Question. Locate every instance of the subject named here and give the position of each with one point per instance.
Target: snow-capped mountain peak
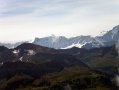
(106, 38)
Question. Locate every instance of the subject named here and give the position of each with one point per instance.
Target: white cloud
(25, 19)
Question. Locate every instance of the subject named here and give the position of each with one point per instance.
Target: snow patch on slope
(74, 45)
(16, 51)
(31, 52)
(1, 63)
(32, 40)
(20, 58)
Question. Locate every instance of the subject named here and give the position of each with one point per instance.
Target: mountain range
(60, 63)
(107, 38)
(42, 68)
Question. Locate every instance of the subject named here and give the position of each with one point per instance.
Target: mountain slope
(103, 59)
(42, 59)
(41, 68)
(27, 52)
(32, 66)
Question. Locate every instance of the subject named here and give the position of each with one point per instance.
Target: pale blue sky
(26, 19)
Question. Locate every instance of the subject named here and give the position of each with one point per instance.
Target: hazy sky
(26, 19)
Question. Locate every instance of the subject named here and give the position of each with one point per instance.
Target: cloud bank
(30, 18)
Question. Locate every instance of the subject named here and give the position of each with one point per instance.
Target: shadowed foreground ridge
(30, 66)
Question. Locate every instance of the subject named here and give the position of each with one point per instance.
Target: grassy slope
(77, 78)
(6, 83)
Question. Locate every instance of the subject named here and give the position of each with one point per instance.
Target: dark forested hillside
(33, 67)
